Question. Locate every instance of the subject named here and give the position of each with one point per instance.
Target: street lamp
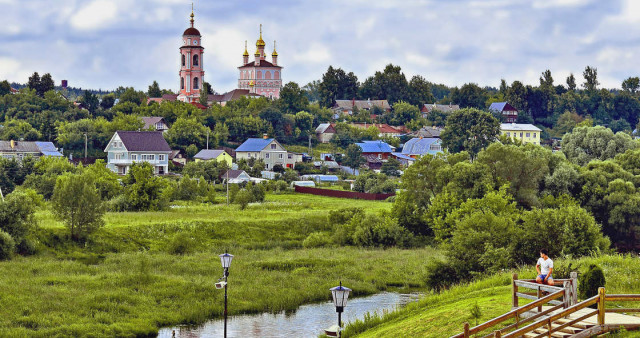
(340, 295)
(225, 259)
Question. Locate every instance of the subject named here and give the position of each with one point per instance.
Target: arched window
(182, 81)
(195, 60)
(277, 75)
(267, 75)
(258, 75)
(195, 83)
(183, 61)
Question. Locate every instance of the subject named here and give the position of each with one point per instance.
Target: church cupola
(258, 57)
(274, 55)
(260, 45)
(191, 63)
(245, 56)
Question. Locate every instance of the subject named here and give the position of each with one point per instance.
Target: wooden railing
(550, 323)
(569, 285)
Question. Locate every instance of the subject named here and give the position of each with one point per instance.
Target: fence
(343, 194)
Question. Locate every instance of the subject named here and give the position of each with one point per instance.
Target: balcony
(129, 162)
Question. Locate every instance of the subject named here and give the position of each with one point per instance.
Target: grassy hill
(444, 314)
(146, 270)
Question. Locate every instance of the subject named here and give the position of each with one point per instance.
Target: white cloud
(96, 15)
(542, 4)
(12, 70)
(316, 53)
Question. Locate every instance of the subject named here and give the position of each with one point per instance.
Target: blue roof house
(417, 147)
(269, 150)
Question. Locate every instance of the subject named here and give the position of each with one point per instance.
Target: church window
(276, 75)
(195, 83)
(267, 75)
(259, 74)
(183, 60)
(195, 60)
(182, 82)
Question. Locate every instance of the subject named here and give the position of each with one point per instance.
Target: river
(307, 321)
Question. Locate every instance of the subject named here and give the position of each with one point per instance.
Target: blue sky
(107, 43)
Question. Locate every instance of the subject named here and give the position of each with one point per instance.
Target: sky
(103, 44)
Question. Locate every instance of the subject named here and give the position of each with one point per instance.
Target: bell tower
(191, 64)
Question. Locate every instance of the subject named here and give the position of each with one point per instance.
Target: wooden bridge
(556, 312)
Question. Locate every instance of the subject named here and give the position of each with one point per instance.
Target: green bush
(117, 204)
(440, 275)
(243, 198)
(317, 240)
(382, 231)
(181, 244)
(591, 281)
(7, 246)
(342, 216)
(26, 247)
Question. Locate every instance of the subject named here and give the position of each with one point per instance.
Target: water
(307, 321)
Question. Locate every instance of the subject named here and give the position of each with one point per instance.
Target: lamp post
(340, 295)
(225, 259)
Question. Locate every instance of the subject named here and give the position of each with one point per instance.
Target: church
(257, 77)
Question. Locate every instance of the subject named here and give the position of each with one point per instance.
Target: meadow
(147, 270)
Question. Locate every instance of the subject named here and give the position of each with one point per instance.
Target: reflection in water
(307, 321)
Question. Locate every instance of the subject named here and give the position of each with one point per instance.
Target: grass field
(444, 314)
(125, 282)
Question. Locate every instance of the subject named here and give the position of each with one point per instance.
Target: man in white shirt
(544, 268)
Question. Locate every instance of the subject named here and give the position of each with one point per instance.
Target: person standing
(544, 268)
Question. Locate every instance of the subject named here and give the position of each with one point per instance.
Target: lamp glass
(340, 295)
(225, 259)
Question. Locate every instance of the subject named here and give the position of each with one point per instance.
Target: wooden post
(574, 285)
(497, 334)
(601, 294)
(466, 330)
(566, 298)
(539, 296)
(514, 289)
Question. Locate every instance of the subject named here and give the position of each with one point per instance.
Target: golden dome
(246, 52)
(258, 52)
(274, 49)
(260, 42)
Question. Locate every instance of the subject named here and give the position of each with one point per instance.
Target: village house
(270, 151)
(420, 146)
(214, 154)
(375, 152)
(509, 113)
(21, 149)
(235, 176)
(427, 132)
(346, 107)
(384, 130)
(445, 108)
(128, 147)
(325, 132)
(526, 133)
(155, 122)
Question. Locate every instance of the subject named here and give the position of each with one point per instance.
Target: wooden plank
(622, 297)
(589, 332)
(621, 310)
(528, 319)
(535, 286)
(575, 321)
(527, 296)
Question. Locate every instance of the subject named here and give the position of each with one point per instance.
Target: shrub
(7, 246)
(181, 244)
(243, 198)
(379, 231)
(26, 247)
(591, 281)
(316, 240)
(440, 275)
(17, 214)
(342, 216)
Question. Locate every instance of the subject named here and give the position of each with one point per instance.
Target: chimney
(13, 144)
(265, 136)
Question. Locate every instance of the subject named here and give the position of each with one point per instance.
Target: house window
(196, 83)
(508, 134)
(273, 146)
(183, 60)
(380, 156)
(266, 155)
(520, 134)
(266, 165)
(134, 157)
(528, 134)
(182, 81)
(118, 156)
(534, 135)
(290, 156)
(161, 157)
(280, 156)
(195, 60)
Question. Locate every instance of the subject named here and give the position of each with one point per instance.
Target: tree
(5, 88)
(154, 90)
(546, 80)
(77, 203)
(517, 96)
(143, 190)
(470, 95)
(390, 84)
(571, 82)
(584, 144)
(46, 84)
(420, 91)
(90, 101)
(107, 101)
(312, 90)
(185, 132)
(590, 75)
(337, 85)
(353, 157)
(17, 215)
(403, 113)
(133, 96)
(469, 130)
(631, 84)
(34, 82)
(204, 93)
(292, 98)
(391, 167)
